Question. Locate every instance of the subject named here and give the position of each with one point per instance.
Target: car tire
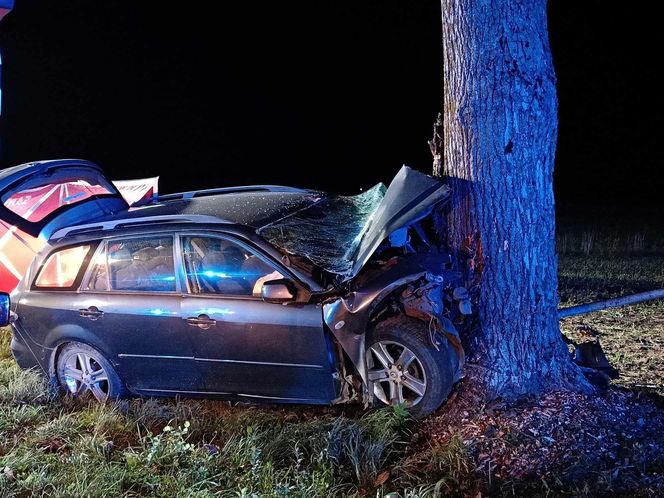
(428, 377)
(83, 371)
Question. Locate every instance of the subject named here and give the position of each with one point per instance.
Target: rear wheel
(404, 368)
(82, 371)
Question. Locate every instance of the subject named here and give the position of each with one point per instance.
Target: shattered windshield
(329, 231)
(340, 233)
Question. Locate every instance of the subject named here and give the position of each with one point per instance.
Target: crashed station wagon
(265, 293)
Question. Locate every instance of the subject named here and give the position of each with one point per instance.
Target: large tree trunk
(497, 145)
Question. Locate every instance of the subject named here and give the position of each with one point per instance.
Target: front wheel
(404, 368)
(81, 370)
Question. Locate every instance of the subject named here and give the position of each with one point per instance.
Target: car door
(130, 301)
(244, 345)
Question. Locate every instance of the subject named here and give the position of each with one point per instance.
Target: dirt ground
(560, 444)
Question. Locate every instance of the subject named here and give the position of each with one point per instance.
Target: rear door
(127, 306)
(39, 198)
(245, 346)
(130, 300)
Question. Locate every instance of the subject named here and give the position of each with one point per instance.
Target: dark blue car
(251, 293)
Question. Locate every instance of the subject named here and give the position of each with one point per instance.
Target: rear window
(62, 268)
(136, 264)
(37, 197)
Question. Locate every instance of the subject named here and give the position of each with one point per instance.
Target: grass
(626, 256)
(56, 447)
(53, 446)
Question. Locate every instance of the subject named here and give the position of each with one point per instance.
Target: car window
(62, 267)
(137, 264)
(38, 197)
(220, 266)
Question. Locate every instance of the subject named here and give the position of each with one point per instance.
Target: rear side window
(62, 268)
(38, 197)
(138, 264)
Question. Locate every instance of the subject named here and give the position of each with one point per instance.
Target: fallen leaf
(9, 474)
(382, 478)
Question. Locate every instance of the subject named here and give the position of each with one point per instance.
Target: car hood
(341, 233)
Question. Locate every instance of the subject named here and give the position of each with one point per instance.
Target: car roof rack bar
(228, 190)
(131, 222)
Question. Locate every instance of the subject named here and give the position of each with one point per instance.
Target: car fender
(65, 333)
(348, 317)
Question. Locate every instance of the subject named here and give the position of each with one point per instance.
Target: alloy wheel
(396, 373)
(81, 373)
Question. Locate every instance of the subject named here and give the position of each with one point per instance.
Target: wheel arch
(348, 317)
(115, 384)
(62, 335)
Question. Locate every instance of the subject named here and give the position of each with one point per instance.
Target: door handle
(93, 313)
(201, 321)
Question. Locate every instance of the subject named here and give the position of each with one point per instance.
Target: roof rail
(103, 226)
(228, 190)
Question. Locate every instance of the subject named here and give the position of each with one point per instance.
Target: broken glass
(327, 232)
(341, 233)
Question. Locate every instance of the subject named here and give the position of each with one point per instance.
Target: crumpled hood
(340, 233)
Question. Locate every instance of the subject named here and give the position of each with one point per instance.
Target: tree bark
(496, 144)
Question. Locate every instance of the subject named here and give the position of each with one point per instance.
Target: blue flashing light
(74, 196)
(226, 274)
(210, 273)
(4, 308)
(214, 311)
(160, 312)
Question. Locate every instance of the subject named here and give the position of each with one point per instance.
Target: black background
(327, 94)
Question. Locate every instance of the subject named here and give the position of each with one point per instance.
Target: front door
(244, 345)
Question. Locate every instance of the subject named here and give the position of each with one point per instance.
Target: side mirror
(4, 309)
(278, 291)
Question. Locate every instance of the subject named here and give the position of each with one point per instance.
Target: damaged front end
(340, 234)
(377, 261)
(416, 286)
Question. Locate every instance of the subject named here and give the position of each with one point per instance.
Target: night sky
(326, 94)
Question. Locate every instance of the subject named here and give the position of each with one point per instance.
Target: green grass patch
(53, 446)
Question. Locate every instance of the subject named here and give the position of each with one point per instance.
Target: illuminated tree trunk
(497, 142)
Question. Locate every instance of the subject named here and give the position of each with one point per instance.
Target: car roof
(252, 207)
